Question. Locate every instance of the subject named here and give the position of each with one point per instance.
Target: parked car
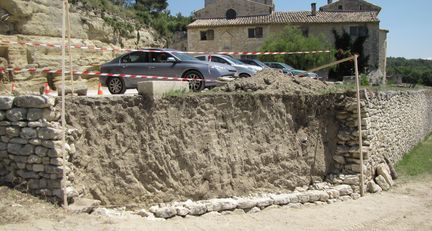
(287, 69)
(243, 70)
(162, 62)
(255, 62)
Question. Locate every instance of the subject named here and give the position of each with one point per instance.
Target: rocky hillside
(41, 21)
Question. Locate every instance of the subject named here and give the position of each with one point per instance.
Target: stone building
(243, 25)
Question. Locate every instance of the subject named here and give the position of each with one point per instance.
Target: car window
(277, 65)
(248, 62)
(201, 58)
(219, 60)
(159, 57)
(135, 57)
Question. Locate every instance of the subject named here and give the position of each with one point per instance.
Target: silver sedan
(163, 63)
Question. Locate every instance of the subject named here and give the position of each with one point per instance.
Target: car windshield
(260, 63)
(287, 66)
(183, 56)
(234, 60)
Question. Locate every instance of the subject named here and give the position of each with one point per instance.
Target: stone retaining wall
(392, 124)
(30, 148)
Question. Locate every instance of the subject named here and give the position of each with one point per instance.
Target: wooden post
(359, 125)
(63, 120)
(69, 47)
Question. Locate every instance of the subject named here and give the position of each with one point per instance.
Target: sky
(409, 22)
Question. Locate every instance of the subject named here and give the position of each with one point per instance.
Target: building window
(207, 35)
(231, 14)
(359, 31)
(305, 31)
(256, 32)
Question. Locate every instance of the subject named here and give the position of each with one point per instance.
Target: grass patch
(175, 93)
(418, 161)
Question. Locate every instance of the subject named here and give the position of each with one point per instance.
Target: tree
(153, 6)
(347, 47)
(293, 39)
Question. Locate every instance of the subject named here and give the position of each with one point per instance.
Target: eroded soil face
(132, 150)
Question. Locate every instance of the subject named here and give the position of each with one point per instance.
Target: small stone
(345, 198)
(34, 101)
(56, 161)
(166, 212)
(264, 202)
(27, 174)
(12, 132)
(34, 114)
(351, 180)
(35, 142)
(282, 199)
(16, 114)
(382, 183)
(355, 196)
(18, 141)
(333, 193)
(384, 171)
(37, 124)
(143, 213)
(83, 205)
(195, 209)
(38, 167)
(344, 190)
(254, 210)
(33, 159)
(246, 203)
(372, 187)
(28, 133)
(20, 124)
(6, 102)
(222, 204)
(41, 151)
(339, 159)
(3, 146)
(182, 211)
(49, 133)
(2, 115)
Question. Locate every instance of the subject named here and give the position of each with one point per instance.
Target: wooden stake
(359, 125)
(69, 46)
(63, 120)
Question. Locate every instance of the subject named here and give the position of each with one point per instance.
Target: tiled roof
(291, 17)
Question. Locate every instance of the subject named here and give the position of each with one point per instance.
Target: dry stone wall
(30, 148)
(393, 123)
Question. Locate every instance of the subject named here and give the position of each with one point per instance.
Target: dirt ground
(408, 206)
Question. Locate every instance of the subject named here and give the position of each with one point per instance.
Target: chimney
(314, 10)
(329, 1)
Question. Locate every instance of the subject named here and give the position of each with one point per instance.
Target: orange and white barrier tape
(102, 49)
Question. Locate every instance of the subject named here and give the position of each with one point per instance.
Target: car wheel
(116, 86)
(196, 82)
(244, 75)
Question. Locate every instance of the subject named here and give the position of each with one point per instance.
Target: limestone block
(20, 124)
(3, 146)
(381, 181)
(16, 114)
(264, 202)
(33, 159)
(34, 114)
(28, 133)
(41, 151)
(281, 199)
(384, 170)
(372, 187)
(84, 205)
(21, 149)
(222, 204)
(344, 190)
(18, 141)
(182, 211)
(34, 101)
(6, 102)
(165, 212)
(38, 167)
(12, 132)
(195, 209)
(246, 203)
(157, 89)
(49, 133)
(333, 193)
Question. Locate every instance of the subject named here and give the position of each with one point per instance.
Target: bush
(292, 39)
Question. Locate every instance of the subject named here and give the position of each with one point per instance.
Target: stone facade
(218, 8)
(233, 35)
(30, 148)
(350, 5)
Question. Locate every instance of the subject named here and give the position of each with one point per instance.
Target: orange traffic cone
(13, 88)
(100, 92)
(46, 89)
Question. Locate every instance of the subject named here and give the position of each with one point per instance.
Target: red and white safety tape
(84, 47)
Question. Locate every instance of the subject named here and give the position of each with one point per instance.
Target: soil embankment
(133, 150)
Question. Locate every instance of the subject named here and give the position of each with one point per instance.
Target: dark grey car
(164, 63)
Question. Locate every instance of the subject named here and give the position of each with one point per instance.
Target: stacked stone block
(31, 156)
